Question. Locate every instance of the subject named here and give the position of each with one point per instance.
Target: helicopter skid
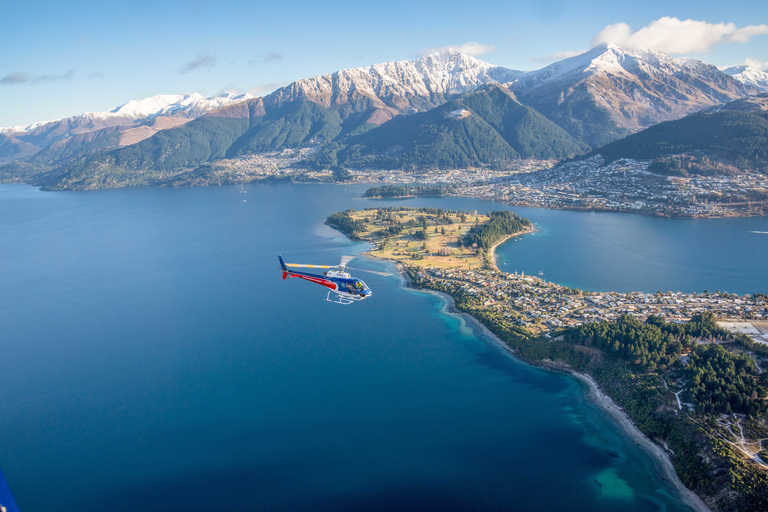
(338, 299)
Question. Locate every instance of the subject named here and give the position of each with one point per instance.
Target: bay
(619, 252)
(153, 357)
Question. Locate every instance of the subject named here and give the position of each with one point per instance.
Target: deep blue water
(620, 252)
(151, 357)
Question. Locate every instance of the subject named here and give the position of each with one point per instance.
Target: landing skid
(339, 299)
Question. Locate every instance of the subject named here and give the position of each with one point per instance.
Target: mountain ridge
(592, 99)
(153, 114)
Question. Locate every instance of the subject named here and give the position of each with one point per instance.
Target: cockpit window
(361, 286)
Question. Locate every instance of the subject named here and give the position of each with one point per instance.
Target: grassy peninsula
(692, 387)
(432, 236)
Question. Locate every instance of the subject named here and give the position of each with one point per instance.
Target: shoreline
(269, 180)
(593, 393)
(492, 250)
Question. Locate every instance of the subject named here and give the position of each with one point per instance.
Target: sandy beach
(492, 250)
(594, 394)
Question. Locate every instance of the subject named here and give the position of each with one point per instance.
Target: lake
(152, 357)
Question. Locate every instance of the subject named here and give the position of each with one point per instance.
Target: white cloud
(675, 36)
(472, 48)
(558, 56)
(759, 64)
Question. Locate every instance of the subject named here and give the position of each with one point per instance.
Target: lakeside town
(543, 307)
(624, 185)
(429, 240)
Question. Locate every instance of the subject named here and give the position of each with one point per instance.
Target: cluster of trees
(340, 174)
(683, 165)
(648, 343)
(645, 343)
(721, 382)
(390, 191)
(500, 225)
(344, 222)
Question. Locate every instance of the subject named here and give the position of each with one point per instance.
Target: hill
(484, 128)
(704, 143)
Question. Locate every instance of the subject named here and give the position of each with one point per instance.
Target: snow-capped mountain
(190, 105)
(597, 97)
(397, 87)
(135, 120)
(608, 91)
(749, 75)
(187, 105)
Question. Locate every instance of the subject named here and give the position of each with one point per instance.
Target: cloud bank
(759, 64)
(676, 37)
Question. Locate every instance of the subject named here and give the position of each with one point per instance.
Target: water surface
(152, 357)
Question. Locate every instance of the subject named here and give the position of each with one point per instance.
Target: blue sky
(64, 58)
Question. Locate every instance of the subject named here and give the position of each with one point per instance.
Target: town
(428, 242)
(543, 307)
(588, 184)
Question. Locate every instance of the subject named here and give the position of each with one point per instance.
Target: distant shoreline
(287, 180)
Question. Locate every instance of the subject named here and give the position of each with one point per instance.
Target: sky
(60, 59)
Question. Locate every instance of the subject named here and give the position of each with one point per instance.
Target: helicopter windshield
(360, 286)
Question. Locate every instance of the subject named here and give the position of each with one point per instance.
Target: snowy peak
(603, 59)
(633, 89)
(193, 105)
(396, 83)
(749, 75)
(190, 105)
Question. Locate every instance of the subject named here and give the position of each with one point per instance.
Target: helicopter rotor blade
(344, 260)
(370, 271)
(300, 265)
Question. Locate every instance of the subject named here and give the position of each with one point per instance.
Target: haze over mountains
(445, 110)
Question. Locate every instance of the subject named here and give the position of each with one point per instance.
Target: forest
(500, 225)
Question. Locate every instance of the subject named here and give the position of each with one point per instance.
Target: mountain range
(445, 110)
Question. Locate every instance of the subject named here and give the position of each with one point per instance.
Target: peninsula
(678, 368)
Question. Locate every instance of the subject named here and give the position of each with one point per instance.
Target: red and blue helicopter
(348, 289)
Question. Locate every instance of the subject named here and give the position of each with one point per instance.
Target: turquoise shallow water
(152, 357)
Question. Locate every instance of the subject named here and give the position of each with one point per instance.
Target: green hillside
(292, 125)
(199, 141)
(711, 143)
(580, 117)
(484, 128)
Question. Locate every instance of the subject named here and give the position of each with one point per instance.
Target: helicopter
(348, 289)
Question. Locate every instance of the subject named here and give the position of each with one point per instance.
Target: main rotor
(341, 267)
